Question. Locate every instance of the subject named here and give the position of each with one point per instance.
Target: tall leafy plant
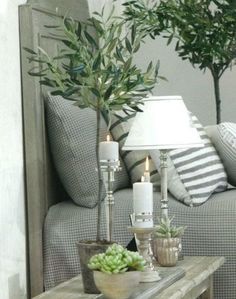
(98, 73)
(204, 32)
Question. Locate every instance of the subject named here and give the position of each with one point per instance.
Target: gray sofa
(210, 226)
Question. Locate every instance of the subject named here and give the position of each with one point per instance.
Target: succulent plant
(166, 230)
(117, 259)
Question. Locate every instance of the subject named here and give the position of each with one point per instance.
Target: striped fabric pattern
(134, 160)
(200, 169)
(223, 137)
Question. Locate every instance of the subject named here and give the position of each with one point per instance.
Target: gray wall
(195, 87)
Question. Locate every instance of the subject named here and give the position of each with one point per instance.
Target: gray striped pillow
(121, 123)
(223, 137)
(200, 169)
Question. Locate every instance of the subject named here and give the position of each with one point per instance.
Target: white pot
(117, 286)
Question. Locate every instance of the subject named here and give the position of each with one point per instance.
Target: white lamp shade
(164, 124)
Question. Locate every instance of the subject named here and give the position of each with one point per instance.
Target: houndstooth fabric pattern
(210, 231)
(72, 137)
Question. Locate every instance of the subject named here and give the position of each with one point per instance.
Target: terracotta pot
(166, 251)
(117, 286)
(86, 250)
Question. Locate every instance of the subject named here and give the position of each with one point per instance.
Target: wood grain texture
(42, 186)
(197, 280)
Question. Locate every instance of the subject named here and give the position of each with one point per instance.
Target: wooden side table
(197, 281)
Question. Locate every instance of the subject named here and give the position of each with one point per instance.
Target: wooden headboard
(42, 186)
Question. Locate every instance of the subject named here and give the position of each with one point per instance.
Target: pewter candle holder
(108, 168)
(143, 235)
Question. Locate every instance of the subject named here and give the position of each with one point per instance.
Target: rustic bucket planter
(86, 250)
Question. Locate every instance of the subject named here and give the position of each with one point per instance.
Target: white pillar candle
(109, 150)
(143, 202)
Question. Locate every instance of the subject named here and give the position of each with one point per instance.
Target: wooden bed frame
(42, 186)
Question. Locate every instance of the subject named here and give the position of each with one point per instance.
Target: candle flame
(108, 137)
(147, 164)
(142, 179)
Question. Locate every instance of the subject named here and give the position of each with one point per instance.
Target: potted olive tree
(166, 242)
(98, 73)
(117, 271)
(204, 31)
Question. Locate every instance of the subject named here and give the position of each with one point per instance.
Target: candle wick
(147, 165)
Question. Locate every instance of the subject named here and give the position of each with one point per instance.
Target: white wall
(195, 87)
(12, 215)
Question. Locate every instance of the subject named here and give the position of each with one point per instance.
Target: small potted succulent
(117, 271)
(167, 242)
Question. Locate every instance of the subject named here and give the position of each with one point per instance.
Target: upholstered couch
(210, 226)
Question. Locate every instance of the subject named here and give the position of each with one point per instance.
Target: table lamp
(164, 124)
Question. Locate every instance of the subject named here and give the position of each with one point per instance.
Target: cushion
(121, 123)
(223, 137)
(72, 138)
(175, 185)
(196, 173)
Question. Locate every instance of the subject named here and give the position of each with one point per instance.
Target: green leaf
(77, 69)
(128, 45)
(95, 91)
(170, 39)
(136, 108)
(68, 23)
(137, 47)
(133, 33)
(128, 64)
(57, 93)
(97, 62)
(51, 26)
(70, 91)
(97, 25)
(128, 3)
(68, 44)
(119, 55)
(36, 74)
(90, 39)
(149, 67)
(79, 30)
(48, 82)
(108, 92)
(30, 51)
(112, 45)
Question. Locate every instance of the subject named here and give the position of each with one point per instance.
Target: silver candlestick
(164, 193)
(108, 168)
(143, 235)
